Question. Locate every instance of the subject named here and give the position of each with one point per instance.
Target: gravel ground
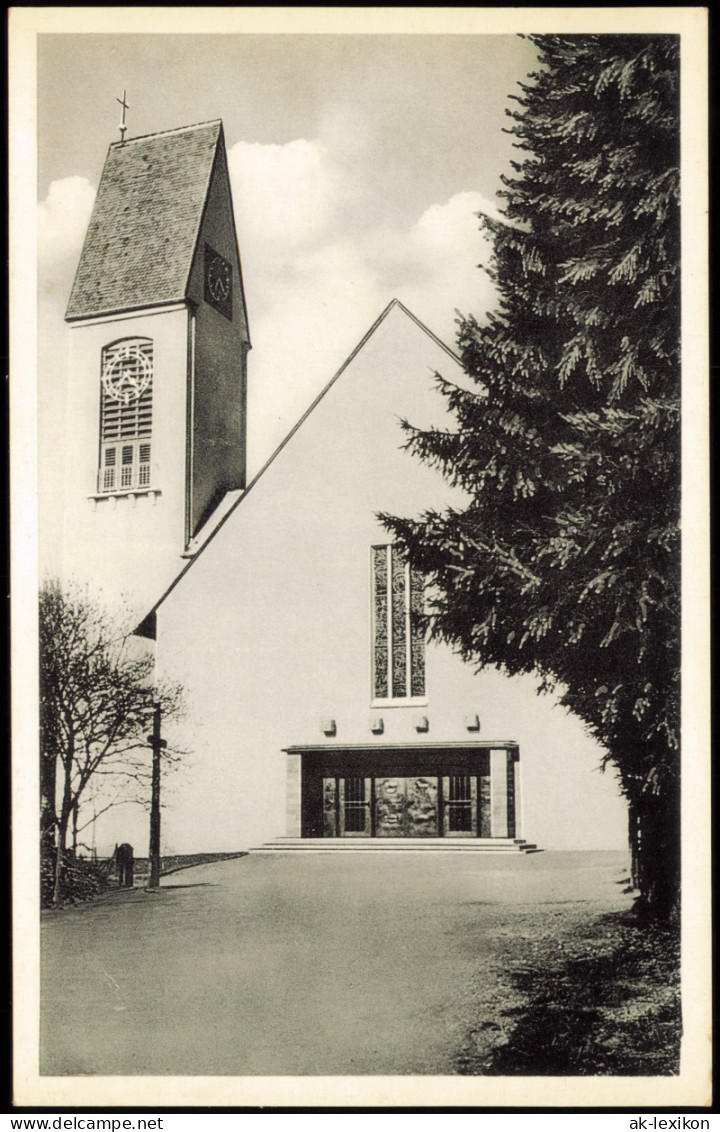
(291, 964)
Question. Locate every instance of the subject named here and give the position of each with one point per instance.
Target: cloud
(319, 311)
(284, 194)
(62, 222)
(433, 263)
(313, 289)
(63, 218)
(442, 224)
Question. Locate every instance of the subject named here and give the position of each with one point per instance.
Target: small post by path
(124, 857)
(157, 744)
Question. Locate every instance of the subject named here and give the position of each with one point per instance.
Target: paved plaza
(291, 964)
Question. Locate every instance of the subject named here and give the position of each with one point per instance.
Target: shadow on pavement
(198, 884)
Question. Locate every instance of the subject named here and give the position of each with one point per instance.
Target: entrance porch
(392, 794)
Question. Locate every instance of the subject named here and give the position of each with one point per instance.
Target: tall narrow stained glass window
(398, 637)
(399, 634)
(126, 415)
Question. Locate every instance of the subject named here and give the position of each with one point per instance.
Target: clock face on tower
(218, 282)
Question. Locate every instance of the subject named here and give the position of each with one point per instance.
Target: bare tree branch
(97, 699)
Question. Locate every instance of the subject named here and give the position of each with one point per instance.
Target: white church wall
(270, 629)
(125, 544)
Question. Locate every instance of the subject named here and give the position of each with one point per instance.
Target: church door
(406, 807)
(346, 806)
(354, 806)
(392, 802)
(460, 805)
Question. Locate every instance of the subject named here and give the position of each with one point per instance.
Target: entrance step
(397, 845)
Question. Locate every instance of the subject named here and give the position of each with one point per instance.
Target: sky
(357, 164)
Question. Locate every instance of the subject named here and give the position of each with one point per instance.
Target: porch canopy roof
(375, 748)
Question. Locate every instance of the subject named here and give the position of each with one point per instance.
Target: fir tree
(565, 560)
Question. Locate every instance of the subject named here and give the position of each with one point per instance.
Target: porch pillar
(518, 795)
(498, 794)
(294, 795)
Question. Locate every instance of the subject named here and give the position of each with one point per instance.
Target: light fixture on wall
(376, 725)
(472, 723)
(328, 727)
(421, 723)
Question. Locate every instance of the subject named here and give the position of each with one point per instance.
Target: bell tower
(156, 411)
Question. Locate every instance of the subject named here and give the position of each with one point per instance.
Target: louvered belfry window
(398, 636)
(126, 415)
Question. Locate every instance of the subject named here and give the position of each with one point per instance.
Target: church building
(318, 714)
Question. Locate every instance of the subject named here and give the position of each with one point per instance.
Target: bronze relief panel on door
(406, 807)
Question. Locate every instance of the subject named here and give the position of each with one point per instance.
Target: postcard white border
(692, 1086)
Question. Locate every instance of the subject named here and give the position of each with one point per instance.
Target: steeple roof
(144, 227)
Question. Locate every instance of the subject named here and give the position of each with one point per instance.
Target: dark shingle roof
(141, 239)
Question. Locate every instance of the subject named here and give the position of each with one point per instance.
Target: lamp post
(158, 744)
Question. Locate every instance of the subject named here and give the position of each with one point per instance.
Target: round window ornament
(127, 373)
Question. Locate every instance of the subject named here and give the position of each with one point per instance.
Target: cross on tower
(123, 127)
